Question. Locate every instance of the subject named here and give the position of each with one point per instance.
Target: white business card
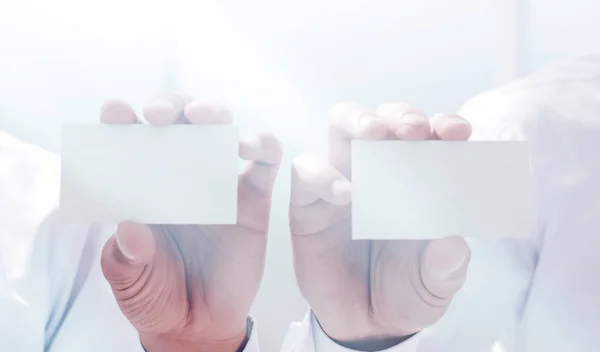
(180, 174)
(435, 189)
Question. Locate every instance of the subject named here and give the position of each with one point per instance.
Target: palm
(192, 286)
(369, 277)
(368, 289)
(201, 267)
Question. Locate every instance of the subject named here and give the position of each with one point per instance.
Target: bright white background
(278, 64)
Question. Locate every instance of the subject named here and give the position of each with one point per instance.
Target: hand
(374, 292)
(190, 288)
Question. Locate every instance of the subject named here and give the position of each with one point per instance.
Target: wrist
(167, 343)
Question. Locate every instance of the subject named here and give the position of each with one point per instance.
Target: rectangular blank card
(180, 174)
(434, 189)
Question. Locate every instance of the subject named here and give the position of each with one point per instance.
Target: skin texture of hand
(190, 288)
(369, 295)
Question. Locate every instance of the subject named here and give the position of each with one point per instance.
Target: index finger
(350, 121)
(449, 127)
(167, 109)
(117, 112)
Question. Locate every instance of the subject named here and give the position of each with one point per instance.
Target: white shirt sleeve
(322, 342)
(28, 192)
(308, 336)
(252, 345)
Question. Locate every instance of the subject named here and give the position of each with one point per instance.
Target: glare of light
(497, 347)
(209, 44)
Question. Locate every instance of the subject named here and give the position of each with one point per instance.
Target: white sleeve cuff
(252, 345)
(323, 343)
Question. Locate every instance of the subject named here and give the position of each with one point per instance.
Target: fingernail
(202, 112)
(132, 229)
(252, 141)
(457, 121)
(250, 147)
(117, 112)
(160, 112)
(457, 269)
(126, 253)
(413, 119)
(309, 164)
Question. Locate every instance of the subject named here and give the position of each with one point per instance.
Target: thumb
(313, 179)
(444, 266)
(126, 254)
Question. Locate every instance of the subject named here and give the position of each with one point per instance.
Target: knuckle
(207, 113)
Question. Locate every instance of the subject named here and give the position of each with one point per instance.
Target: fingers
(146, 274)
(351, 121)
(264, 152)
(205, 113)
(162, 111)
(170, 108)
(126, 254)
(167, 109)
(450, 127)
(255, 186)
(313, 179)
(320, 196)
(405, 121)
(117, 112)
(389, 121)
(444, 266)
(416, 281)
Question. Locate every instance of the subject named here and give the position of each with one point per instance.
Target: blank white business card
(180, 174)
(435, 189)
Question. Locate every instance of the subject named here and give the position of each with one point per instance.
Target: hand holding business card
(408, 284)
(183, 213)
(414, 187)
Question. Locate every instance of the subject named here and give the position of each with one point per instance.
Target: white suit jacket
(535, 295)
